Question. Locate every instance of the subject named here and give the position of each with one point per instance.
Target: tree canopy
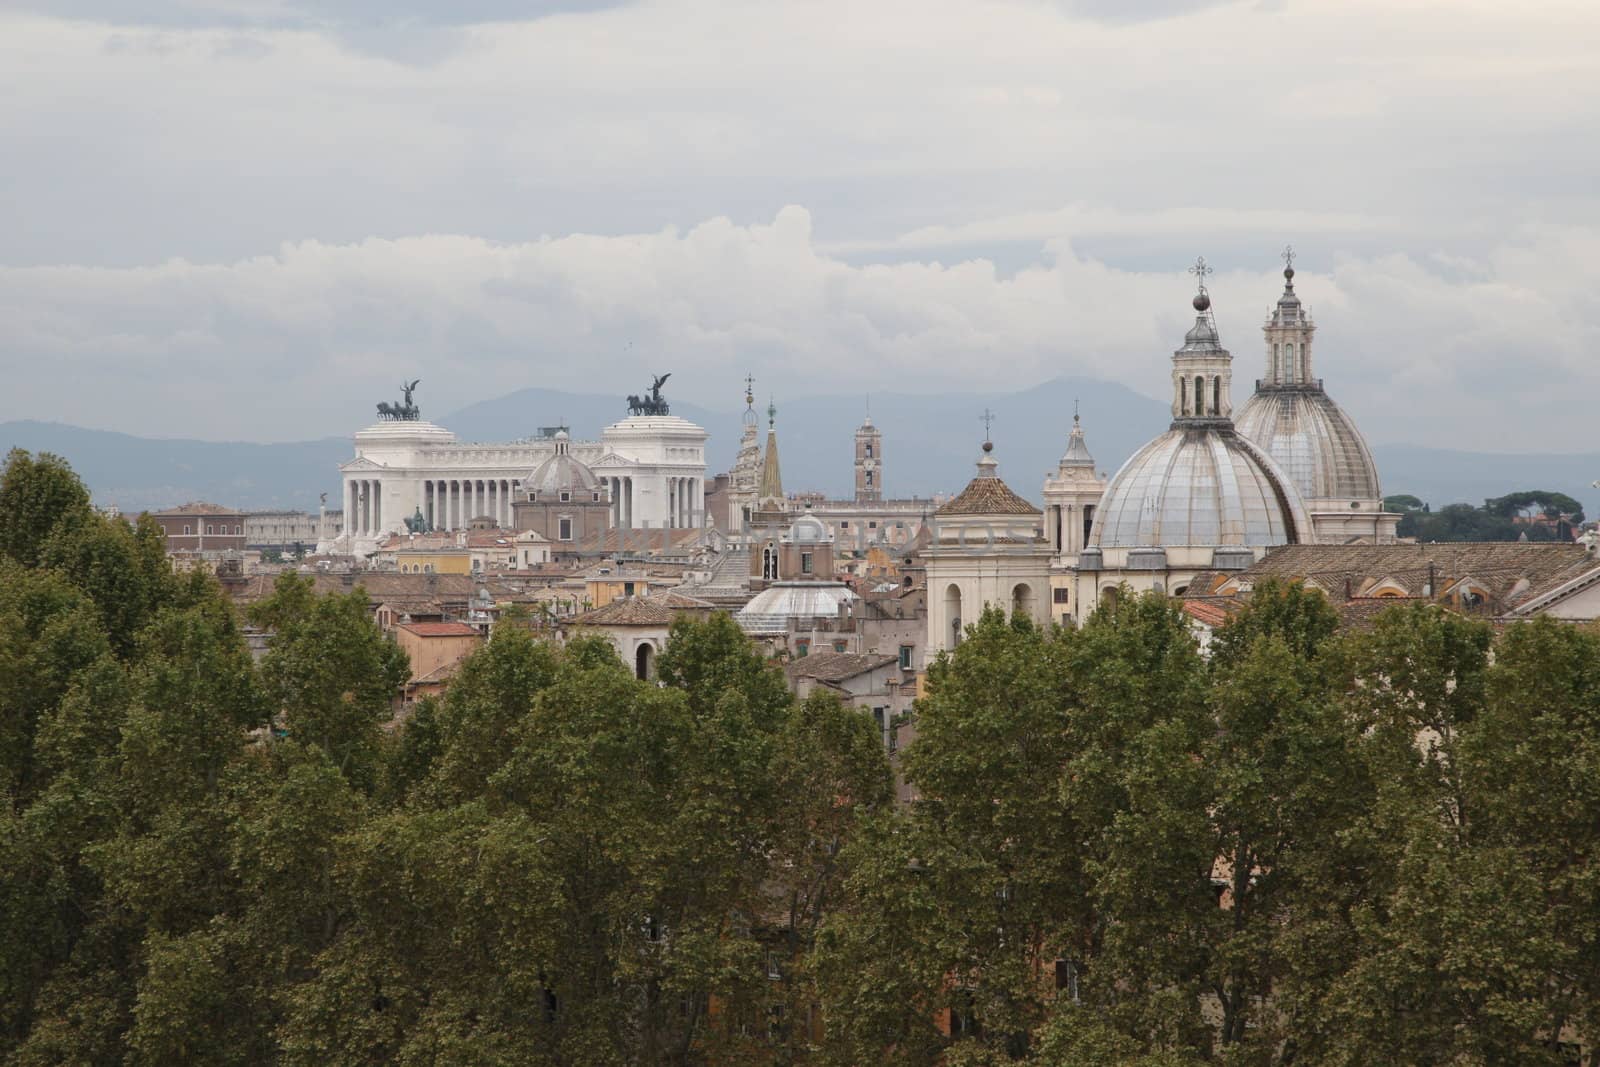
(1304, 846)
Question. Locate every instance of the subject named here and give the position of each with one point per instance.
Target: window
(1183, 396)
(905, 657)
(237, 530)
(1216, 395)
(869, 477)
(963, 1014)
(186, 530)
(878, 717)
(840, 646)
(1199, 395)
(565, 496)
(802, 648)
(1067, 979)
(869, 450)
(1061, 596)
(597, 496)
(210, 529)
(844, 524)
(627, 588)
(805, 563)
(564, 528)
(872, 526)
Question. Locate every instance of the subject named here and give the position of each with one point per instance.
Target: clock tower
(869, 463)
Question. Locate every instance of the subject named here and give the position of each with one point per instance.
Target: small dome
(1313, 440)
(1200, 487)
(561, 472)
(774, 608)
(809, 530)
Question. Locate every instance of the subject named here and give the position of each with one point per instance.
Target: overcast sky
(251, 218)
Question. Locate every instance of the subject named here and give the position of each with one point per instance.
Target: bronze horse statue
(404, 411)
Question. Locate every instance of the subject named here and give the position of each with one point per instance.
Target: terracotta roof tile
(628, 611)
(986, 495)
(829, 666)
(439, 629)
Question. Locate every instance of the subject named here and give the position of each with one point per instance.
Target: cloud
(296, 344)
(245, 217)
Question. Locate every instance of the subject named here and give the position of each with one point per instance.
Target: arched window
(1022, 600)
(769, 563)
(1277, 361)
(952, 612)
(1216, 395)
(1199, 395)
(1183, 396)
(644, 662)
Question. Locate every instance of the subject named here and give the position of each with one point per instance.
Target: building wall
(604, 590)
(961, 584)
(428, 654)
(282, 529)
(430, 561)
(587, 520)
(214, 532)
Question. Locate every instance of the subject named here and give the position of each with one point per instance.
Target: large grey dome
(562, 472)
(1313, 440)
(1202, 487)
(1294, 420)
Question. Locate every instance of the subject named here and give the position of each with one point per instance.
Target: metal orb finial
(1288, 262)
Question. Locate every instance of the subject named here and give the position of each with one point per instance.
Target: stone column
(377, 506)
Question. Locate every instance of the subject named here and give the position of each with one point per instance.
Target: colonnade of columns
(621, 489)
(363, 506)
(685, 502)
(450, 504)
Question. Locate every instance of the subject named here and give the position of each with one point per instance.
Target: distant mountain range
(930, 442)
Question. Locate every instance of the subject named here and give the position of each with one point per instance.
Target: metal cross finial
(1200, 270)
(1074, 411)
(987, 418)
(1288, 256)
(749, 390)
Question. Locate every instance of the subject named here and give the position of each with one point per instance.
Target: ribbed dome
(561, 472)
(1313, 440)
(1202, 487)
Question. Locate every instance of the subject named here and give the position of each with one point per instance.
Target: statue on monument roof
(406, 410)
(653, 403)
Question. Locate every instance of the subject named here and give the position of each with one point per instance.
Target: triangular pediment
(611, 460)
(362, 463)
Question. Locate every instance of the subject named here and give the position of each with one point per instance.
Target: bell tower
(869, 462)
(1289, 336)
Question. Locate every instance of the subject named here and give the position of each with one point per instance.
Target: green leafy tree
(331, 674)
(36, 492)
(955, 912)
